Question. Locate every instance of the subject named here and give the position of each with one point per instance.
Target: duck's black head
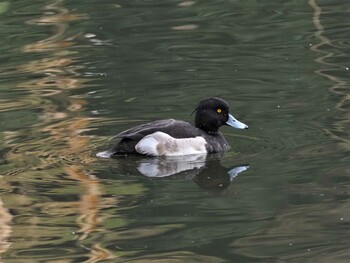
(213, 113)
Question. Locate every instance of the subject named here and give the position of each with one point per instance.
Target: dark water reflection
(205, 170)
(73, 75)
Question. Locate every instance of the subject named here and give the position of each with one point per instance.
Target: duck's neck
(207, 127)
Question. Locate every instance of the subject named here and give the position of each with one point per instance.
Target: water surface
(72, 75)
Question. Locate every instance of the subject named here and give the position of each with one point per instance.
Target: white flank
(162, 144)
(148, 146)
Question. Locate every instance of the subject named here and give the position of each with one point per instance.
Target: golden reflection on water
(176, 257)
(5, 228)
(338, 129)
(59, 21)
(58, 132)
(89, 218)
(339, 87)
(300, 230)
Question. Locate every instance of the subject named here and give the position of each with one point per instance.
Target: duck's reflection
(205, 170)
(216, 177)
(162, 167)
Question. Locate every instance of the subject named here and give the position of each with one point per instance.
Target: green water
(75, 73)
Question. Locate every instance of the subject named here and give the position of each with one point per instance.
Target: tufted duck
(174, 137)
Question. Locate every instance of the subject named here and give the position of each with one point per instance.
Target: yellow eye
(218, 110)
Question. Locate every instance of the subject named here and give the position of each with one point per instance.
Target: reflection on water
(205, 170)
(58, 131)
(72, 73)
(162, 167)
(5, 228)
(213, 178)
(340, 85)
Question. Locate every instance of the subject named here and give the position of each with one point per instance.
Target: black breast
(216, 143)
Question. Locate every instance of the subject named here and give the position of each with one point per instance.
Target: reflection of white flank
(161, 167)
(162, 144)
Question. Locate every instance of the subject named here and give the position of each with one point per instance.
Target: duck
(170, 137)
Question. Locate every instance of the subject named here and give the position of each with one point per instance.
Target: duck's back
(175, 128)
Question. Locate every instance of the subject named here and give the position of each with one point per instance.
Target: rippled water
(74, 74)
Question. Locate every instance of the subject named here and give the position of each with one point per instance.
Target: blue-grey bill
(233, 122)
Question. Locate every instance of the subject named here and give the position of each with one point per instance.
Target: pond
(73, 74)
